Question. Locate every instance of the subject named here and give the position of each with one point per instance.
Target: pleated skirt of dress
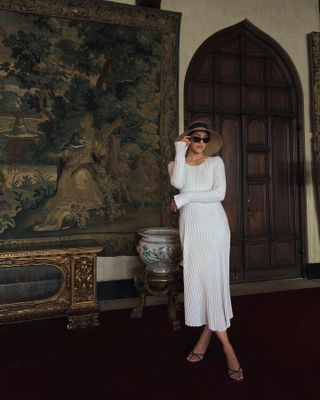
(205, 239)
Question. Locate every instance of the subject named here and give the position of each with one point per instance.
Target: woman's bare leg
(235, 371)
(201, 347)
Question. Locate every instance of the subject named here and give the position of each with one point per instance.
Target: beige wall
(286, 21)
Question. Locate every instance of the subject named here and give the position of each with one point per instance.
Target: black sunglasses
(197, 139)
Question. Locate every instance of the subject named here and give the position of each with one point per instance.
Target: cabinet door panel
(230, 131)
(236, 262)
(282, 221)
(257, 255)
(283, 252)
(257, 210)
(256, 132)
(257, 164)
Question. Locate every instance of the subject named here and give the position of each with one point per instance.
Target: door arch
(246, 87)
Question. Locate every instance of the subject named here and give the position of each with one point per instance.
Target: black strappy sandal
(233, 372)
(199, 356)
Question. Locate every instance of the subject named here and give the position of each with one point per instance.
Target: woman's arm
(177, 169)
(217, 193)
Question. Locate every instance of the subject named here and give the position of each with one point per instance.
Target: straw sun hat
(215, 143)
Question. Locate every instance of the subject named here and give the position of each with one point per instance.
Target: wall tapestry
(88, 114)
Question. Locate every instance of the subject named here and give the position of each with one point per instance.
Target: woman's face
(195, 145)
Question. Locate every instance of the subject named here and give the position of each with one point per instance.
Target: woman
(205, 239)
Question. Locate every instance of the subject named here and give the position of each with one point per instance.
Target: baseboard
(313, 271)
(116, 295)
(114, 290)
(123, 291)
(130, 303)
(121, 294)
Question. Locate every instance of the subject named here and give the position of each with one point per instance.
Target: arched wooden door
(241, 82)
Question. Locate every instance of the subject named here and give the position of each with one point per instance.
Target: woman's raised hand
(187, 140)
(182, 147)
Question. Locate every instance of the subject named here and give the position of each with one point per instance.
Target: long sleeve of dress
(177, 169)
(217, 193)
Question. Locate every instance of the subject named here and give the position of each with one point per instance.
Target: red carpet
(276, 337)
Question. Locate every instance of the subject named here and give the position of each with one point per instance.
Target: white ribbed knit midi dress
(205, 239)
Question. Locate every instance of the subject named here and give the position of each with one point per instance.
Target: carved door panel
(284, 222)
(230, 129)
(242, 88)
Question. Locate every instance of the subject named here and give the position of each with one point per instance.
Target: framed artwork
(88, 116)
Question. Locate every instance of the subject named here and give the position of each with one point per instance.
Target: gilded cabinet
(44, 283)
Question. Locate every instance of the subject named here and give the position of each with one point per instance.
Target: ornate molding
(149, 3)
(45, 253)
(113, 244)
(314, 45)
(83, 321)
(94, 10)
(84, 279)
(314, 51)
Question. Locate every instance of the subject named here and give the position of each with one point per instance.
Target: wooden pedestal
(158, 284)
